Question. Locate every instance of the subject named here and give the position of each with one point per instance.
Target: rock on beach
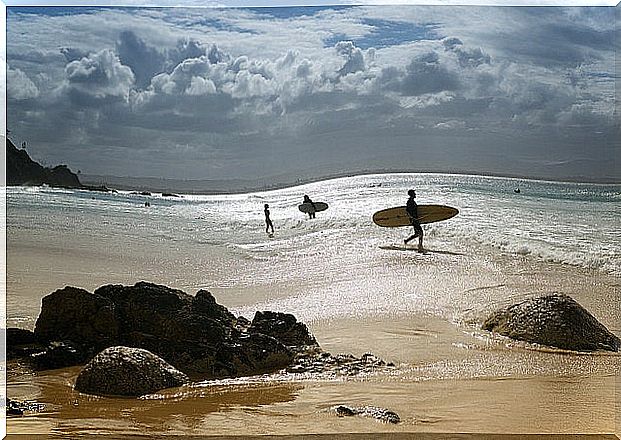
(555, 320)
(126, 371)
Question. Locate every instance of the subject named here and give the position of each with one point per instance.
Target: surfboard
(395, 217)
(307, 207)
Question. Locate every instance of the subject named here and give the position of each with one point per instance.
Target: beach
(423, 312)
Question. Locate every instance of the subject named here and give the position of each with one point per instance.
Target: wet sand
(450, 376)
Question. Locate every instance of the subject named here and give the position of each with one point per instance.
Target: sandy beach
(422, 312)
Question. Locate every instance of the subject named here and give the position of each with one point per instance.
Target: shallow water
(421, 311)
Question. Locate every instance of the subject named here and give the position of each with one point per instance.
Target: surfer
(311, 213)
(412, 210)
(268, 220)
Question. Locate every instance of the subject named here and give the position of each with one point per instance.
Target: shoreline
(228, 187)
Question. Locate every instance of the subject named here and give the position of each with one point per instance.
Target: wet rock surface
(320, 363)
(195, 334)
(555, 320)
(126, 371)
(381, 414)
(19, 408)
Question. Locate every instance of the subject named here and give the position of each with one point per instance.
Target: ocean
(421, 311)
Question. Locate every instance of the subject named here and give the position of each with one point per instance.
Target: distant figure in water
(268, 220)
(517, 190)
(147, 204)
(412, 210)
(311, 213)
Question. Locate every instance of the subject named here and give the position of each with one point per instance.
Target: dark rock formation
(22, 170)
(125, 371)
(554, 320)
(283, 327)
(19, 336)
(17, 408)
(72, 314)
(382, 414)
(193, 333)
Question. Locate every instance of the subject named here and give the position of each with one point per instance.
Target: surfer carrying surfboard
(268, 220)
(412, 210)
(311, 213)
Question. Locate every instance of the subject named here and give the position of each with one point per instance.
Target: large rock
(78, 316)
(282, 326)
(125, 371)
(554, 320)
(193, 333)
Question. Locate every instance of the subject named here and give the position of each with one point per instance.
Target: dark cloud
(425, 74)
(145, 61)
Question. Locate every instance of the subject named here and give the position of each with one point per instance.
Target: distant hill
(22, 170)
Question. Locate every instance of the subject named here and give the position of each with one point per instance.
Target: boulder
(195, 334)
(554, 320)
(73, 314)
(125, 371)
(282, 326)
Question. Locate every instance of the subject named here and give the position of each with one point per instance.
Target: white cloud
(19, 86)
(99, 75)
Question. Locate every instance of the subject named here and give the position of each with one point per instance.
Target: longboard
(307, 207)
(395, 217)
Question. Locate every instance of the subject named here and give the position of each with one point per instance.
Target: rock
(554, 320)
(282, 326)
(19, 336)
(75, 315)
(22, 170)
(17, 408)
(382, 414)
(60, 355)
(125, 371)
(317, 362)
(21, 343)
(195, 334)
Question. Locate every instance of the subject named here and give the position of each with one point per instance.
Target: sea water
(421, 311)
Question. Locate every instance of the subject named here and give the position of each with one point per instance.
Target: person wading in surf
(268, 220)
(412, 210)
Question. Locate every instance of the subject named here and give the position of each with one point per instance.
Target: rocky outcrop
(554, 320)
(382, 414)
(126, 371)
(195, 334)
(22, 170)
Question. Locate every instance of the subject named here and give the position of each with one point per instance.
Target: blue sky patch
(389, 33)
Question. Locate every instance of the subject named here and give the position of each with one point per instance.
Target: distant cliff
(22, 170)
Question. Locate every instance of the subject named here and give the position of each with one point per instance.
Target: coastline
(238, 186)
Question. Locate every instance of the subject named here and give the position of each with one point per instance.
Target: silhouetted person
(268, 220)
(412, 210)
(311, 213)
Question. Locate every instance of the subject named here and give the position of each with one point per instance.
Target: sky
(229, 93)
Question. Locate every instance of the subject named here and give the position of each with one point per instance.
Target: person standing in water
(412, 210)
(268, 220)
(311, 213)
